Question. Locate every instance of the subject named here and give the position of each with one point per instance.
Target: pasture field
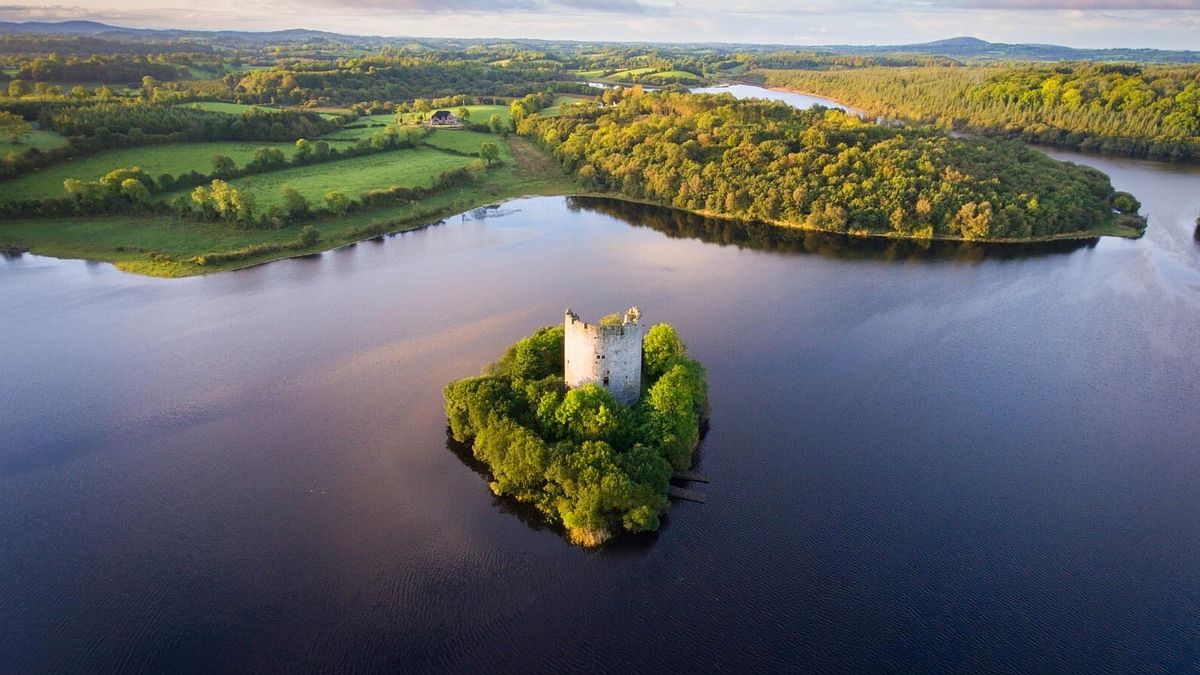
(42, 140)
(462, 140)
(175, 159)
(561, 100)
(409, 167)
(364, 128)
(242, 108)
(481, 113)
(228, 108)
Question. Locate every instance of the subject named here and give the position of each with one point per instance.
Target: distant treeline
(391, 79)
(1138, 111)
(100, 69)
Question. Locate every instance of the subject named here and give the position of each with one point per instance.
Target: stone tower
(608, 354)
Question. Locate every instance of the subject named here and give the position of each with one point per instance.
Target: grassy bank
(162, 245)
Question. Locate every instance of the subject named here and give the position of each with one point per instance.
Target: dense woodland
(822, 169)
(579, 456)
(1140, 111)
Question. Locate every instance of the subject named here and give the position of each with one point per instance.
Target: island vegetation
(581, 458)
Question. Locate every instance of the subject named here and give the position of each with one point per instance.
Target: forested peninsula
(581, 458)
(1136, 110)
(825, 170)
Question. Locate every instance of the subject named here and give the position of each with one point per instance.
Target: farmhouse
(444, 118)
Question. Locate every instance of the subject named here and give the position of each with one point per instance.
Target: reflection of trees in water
(524, 512)
(760, 236)
(626, 543)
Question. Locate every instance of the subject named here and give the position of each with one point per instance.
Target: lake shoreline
(1115, 230)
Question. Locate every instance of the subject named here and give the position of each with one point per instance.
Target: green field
(138, 243)
(223, 107)
(243, 108)
(481, 113)
(366, 126)
(156, 159)
(42, 140)
(632, 72)
(651, 76)
(676, 76)
(559, 102)
(461, 140)
(413, 167)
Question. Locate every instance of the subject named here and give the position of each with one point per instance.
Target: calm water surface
(945, 459)
(791, 98)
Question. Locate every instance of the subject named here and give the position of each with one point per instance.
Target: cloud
(409, 7)
(1082, 5)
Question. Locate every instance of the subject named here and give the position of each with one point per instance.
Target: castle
(609, 354)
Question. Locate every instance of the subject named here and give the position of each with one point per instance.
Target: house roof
(442, 114)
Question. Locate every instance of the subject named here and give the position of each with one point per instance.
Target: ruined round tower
(607, 354)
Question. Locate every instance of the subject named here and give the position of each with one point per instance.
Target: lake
(942, 458)
(792, 98)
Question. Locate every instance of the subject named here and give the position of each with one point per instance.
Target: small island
(586, 422)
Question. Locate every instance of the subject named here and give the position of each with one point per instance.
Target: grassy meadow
(461, 140)
(409, 167)
(175, 159)
(42, 140)
(156, 245)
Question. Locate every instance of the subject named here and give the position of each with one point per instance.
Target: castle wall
(608, 355)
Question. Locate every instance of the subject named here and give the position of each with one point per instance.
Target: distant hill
(59, 28)
(961, 48)
(97, 29)
(971, 48)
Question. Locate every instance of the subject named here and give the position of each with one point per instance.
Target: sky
(1163, 24)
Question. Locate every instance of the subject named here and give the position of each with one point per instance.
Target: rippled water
(957, 458)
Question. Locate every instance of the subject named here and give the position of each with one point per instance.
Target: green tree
(1126, 203)
(590, 413)
(295, 205)
(19, 88)
(309, 236)
(660, 349)
(14, 126)
(304, 152)
(223, 166)
(337, 202)
(489, 151)
(135, 191)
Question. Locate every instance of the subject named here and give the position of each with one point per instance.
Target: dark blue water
(957, 459)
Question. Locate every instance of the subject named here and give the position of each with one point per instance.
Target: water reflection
(625, 544)
(763, 237)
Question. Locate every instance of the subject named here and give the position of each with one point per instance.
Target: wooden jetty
(694, 476)
(685, 494)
